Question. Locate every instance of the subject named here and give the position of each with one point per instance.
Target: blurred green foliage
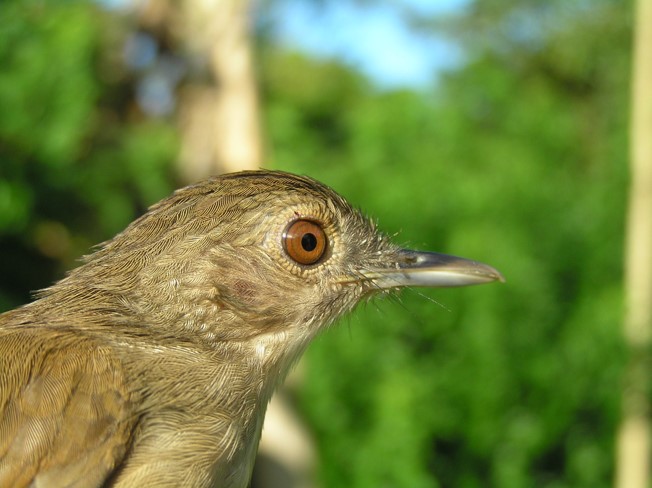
(518, 158)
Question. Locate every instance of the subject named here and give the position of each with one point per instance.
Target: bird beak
(414, 268)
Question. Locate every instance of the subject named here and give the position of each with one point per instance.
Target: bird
(152, 362)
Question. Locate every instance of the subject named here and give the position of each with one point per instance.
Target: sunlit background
(495, 130)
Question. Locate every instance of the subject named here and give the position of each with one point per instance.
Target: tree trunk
(219, 115)
(634, 434)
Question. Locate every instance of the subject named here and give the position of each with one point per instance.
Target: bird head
(264, 258)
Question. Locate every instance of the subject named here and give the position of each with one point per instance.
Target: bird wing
(64, 409)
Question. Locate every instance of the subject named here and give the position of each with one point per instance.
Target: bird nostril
(411, 260)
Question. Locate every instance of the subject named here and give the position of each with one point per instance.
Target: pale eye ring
(305, 241)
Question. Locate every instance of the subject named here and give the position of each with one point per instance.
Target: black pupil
(309, 241)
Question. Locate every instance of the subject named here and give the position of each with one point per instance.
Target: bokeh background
(495, 130)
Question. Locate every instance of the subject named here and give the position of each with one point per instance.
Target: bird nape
(152, 363)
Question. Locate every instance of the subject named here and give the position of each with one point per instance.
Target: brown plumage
(152, 363)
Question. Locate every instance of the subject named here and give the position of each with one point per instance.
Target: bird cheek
(237, 295)
(244, 292)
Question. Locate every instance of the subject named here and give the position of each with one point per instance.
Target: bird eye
(304, 241)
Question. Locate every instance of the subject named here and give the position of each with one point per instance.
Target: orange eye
(305, 241)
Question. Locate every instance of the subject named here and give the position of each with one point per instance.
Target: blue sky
(373, 37)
